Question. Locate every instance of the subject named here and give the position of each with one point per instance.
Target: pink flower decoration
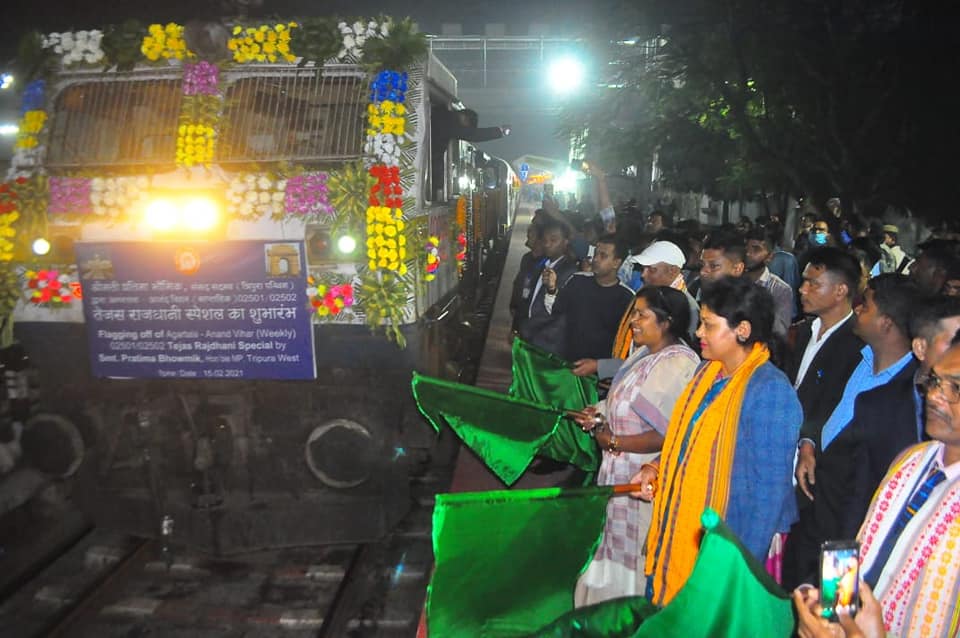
(201, 78)
(308, 194)
(69, 196)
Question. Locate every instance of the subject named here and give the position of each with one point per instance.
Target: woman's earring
(741, 340)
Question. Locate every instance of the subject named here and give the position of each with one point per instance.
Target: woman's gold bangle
(651, 466)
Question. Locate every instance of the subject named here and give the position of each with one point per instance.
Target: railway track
(110, 585)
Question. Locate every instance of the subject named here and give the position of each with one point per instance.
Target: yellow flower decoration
(266, 43)
(29, 128)
(386, 117)
(7, 233)
(196, 144)
(386, 247)
(166, 42)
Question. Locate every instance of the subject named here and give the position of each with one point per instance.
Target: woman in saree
(730, 443)
(629, 426)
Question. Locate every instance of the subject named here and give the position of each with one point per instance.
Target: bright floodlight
(200, 213)
(6, 81)
(566, 75)
(40, 246)
(346, 244)
(566, 183)
(8, 130)
(162, 214)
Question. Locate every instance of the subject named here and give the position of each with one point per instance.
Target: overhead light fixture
(9, 130)
(6, 81)
(566, 74)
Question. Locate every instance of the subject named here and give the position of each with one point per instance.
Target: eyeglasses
(949, 389)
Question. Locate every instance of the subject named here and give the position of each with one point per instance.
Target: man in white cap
(894, 258)
(661, 262)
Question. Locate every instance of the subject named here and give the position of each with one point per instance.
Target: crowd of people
(806, 395)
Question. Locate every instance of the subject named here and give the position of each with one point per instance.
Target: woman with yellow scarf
(730, 443)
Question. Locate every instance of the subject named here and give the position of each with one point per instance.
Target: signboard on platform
(524, 172)
(197, 310)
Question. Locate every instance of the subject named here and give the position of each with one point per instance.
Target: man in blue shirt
(825, 468)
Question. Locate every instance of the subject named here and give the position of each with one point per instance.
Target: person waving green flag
(545, 378)
(505, 432)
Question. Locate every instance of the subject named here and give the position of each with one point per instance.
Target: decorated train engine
(226, 248)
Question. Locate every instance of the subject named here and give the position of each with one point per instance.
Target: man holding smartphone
(908, 542)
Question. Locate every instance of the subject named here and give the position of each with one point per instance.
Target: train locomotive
(242, 257)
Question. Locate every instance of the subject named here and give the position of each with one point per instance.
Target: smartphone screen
(839, 578)
(590, 251)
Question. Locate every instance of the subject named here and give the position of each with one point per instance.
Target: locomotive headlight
(189, 214)
(162, 214)
(200, 213)
(40, 246)
(346, 244)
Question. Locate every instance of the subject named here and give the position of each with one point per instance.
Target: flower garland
(69, 195)
(266, 43)
(113, 197)
(461, 234)
(199, 115)
(389, 86)
(328, 300)
(165, 42)
(308, 195)
(432, 249)
(251, 196)
(76, 47)
(349, 190)
(9, 214)
(32, 116)
(386, 244)
(50, 288)
(201, 78)
(356, 35)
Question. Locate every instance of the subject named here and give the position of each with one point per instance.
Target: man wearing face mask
(820, 236)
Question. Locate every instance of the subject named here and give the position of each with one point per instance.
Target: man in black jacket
(825, 354)
(889, 419)
(826, 349)
(539, 326)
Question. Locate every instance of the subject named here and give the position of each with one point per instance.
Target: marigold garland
(195, 144)
(9, 214)
(386, 243)
(265, 43)
(165, 42)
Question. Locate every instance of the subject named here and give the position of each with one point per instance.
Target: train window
(294, 115)
(115, 123)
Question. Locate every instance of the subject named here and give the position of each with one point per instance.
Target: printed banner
(203, 310)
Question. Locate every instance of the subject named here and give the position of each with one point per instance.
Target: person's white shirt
(814, 345)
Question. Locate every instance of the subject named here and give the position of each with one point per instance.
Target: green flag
(728, 595)
(506, 560)
(505, 432)
(545, 378)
